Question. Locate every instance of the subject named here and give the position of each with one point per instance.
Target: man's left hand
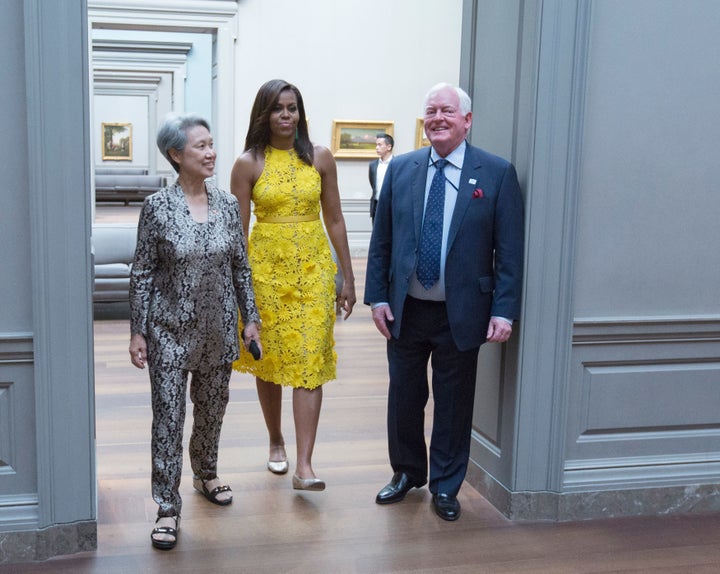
(499, 331)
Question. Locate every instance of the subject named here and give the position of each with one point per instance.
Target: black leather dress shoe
(446, 506)
(396, 490)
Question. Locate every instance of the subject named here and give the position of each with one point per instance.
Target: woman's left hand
(346, 301)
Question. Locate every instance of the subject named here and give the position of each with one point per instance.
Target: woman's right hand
(251, 333)
(138, 351)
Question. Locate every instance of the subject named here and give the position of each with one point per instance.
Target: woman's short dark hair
(258, 134)
(172, 133)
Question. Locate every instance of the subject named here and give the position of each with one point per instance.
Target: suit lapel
(468, 182)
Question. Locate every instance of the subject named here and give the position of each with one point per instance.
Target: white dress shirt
(380, 175)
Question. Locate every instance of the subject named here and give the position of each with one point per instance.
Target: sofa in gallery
(113, 246)
(126, 185)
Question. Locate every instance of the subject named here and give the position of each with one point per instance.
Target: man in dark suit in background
(444, 275)
(383, 147)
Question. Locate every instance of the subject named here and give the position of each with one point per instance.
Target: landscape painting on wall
(357, 138)
(116, 141)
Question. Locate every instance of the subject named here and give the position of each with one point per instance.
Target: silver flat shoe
(307, 483)
(278, 467)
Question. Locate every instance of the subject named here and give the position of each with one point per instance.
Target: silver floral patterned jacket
(189, 279)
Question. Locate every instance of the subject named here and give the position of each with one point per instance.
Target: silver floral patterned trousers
(209, 393)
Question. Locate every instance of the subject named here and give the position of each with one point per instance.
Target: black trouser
(425, 335)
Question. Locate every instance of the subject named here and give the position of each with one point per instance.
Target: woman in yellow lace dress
(288, 180)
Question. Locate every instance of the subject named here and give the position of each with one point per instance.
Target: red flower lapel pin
(478, 193)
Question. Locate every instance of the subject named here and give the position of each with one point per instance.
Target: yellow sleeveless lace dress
(293, 276)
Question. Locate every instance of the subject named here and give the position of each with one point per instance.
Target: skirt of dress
(294, 281)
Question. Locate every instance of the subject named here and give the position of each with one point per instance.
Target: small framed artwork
(356, 139)
(116, 141)
(420, 138)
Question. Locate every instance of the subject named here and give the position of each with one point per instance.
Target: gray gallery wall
(607, 402)
(47, 449)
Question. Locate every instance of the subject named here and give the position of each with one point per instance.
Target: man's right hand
(138, 351)
(382, 315)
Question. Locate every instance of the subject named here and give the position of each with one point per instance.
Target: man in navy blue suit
(438, 295)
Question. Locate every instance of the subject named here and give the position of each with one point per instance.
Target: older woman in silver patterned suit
(189, 277)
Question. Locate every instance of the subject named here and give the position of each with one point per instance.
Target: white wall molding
(144, 46)
(115, 65)
(645, 471)
(125, 81)
(158, 12)
(18, 512)
(606, 330)
(16, 347)
(216, 17)
(140, 55)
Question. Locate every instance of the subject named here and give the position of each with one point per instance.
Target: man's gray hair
(465, 101)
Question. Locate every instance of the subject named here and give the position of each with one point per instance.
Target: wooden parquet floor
(270, 528)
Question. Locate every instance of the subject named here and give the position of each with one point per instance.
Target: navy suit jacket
(484, 261)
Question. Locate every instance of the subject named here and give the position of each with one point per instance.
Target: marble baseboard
(563, 507)
(38, 545)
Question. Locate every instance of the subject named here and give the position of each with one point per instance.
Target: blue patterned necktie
(428, 267)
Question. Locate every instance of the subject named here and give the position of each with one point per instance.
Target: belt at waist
(288, 218)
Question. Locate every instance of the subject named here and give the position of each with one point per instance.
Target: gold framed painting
(420, 138)
(116, 141)
(356, 139)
